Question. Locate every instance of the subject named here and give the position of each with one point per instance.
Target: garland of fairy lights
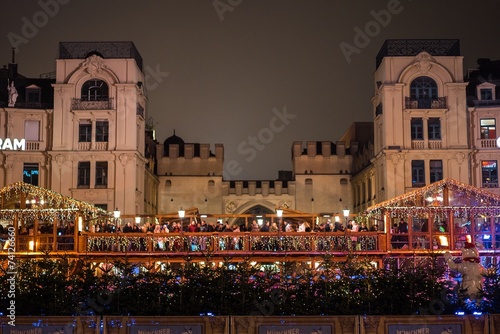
(178, 243)
(40, 214)
(410, 204)
(61, 207)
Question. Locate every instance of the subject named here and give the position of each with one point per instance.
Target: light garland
(415, 203)
(178, 243)
(61, 206)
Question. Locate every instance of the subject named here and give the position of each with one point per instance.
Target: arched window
(309, 182)
(423, 90)
(168, 183)
(95, 90)
(211, 183)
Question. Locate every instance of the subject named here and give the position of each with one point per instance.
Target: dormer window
(95, 90)
(486, 94)
(486, 91)
(33, 95)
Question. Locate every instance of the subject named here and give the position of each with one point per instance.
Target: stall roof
(36, 202)
(447, 194)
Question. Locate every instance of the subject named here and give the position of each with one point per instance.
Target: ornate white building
(89, 141)
(83, 133)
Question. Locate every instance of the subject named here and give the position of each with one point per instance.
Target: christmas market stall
(34, 219)
(444, 215)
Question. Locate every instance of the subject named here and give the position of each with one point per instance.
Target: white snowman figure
(470, 268)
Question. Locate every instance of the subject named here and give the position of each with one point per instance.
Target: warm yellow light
(31, 245)
(80, 224)
(468, 238)
(443, 240)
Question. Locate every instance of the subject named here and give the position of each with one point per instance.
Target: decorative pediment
(424, 62)
(93, 65)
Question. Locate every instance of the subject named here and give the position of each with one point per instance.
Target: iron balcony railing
(79, 104)
(436, 103)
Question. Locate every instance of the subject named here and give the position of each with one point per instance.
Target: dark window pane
(84, 174)
(436, 170)
(417, 129)
(30, 173)
(434, 128)
(418, 173)
(102, 131)
(101, 173)
(95, 90)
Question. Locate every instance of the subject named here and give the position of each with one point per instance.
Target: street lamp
(279, 214)
(181, 213)
(116, 215)
(346, 214)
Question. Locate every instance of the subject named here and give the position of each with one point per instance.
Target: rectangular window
(30, 173)
(101, 131)
(84, 174)
(85, 131)
(434, 128)
(101, 174)
(32, 130)
(102, 206)
(488, 128)
(33, 95)
(489, 173)
(417, 129)
(486, 94)
(436, 170)
(417, 173)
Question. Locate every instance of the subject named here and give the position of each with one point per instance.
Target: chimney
(13, 66)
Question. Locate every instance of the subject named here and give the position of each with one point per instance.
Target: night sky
(254, 75)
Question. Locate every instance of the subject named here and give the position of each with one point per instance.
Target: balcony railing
(423, 144)
(97, 146)
(262, 244)
(79, 104)
(32, 145)
(436, 103)
(488, 143)
(239, 242)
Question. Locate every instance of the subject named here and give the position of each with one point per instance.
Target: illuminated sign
(12, 144)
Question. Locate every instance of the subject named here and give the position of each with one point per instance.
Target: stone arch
(86, 72)
(250, 204)
(425, 65)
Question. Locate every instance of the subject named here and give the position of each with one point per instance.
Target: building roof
(412, 47)
(110, 50)
(22, 83)
(444, 196)
(47, 204)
